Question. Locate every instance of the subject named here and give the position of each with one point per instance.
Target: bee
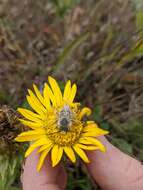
(65, 117)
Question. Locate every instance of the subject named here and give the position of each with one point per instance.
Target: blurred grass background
(98, 44)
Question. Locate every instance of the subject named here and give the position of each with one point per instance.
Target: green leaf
(62, 6)
(122, 145)
(97, 112)
(140, 156)
(139, 20)
(14, 188)
(138, 4)
(25, 105)
(105, 126)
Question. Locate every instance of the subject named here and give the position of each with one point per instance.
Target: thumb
(48, 177)
(115, 170)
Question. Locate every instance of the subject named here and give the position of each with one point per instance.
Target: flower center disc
(66, 128)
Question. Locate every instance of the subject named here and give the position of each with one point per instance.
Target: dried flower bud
(11, 153)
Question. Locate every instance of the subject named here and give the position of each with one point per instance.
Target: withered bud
(10, 127)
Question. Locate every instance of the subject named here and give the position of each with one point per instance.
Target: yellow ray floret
(57, 124)
(70, 153)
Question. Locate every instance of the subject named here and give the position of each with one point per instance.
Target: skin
(112, 170)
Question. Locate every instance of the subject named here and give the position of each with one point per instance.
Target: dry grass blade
(68, 50)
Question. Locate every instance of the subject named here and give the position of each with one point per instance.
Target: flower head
(57, 124)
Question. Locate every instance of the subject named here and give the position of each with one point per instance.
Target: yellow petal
(70, 153)
(89, 147)
(85, 111)
(35, 105)
(29, 115)
(73, 93)
(91, 126)
(81, 153)
(91, 122)
(36, 144)
(38, 94)
(31, 124)
(42, 157)
(67, 91)
(27, 138)
(56, 154)
(90, 134)
(37, 101)
(56, 90)
(45, 146)
(30, 135)
(92, 141)
(94, 132)
(40, 131)
(48, 95)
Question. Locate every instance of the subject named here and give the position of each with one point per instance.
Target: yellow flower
(57, 124)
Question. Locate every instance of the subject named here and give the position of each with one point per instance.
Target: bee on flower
(57, 124)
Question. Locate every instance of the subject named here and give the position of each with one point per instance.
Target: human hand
(112, 170)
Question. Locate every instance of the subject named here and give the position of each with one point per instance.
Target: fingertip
(113, 169)
(32, 177)
(45, 177)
